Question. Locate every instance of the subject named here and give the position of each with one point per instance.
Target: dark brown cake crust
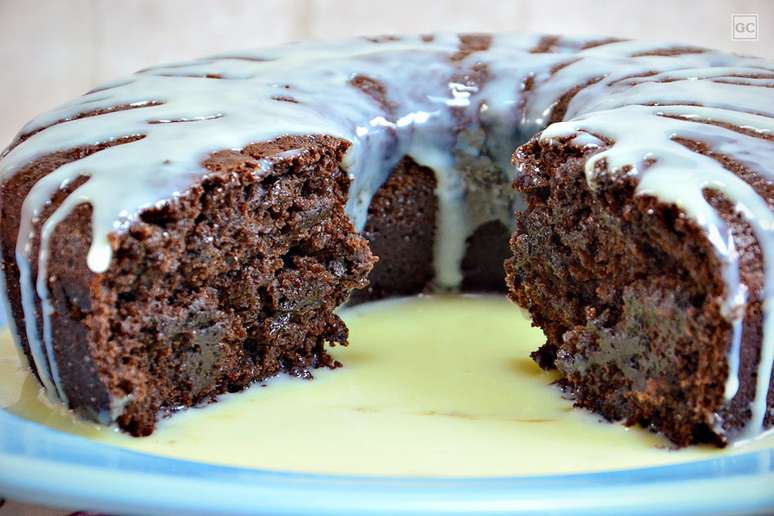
(174, 321)
(624, 288)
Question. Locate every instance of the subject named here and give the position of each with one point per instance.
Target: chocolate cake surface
(191, 229)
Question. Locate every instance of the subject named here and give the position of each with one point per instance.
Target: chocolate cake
(191, 229)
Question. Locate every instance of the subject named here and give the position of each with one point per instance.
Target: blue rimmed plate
(41, 465)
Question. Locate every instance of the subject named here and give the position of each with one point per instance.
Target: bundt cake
(192, 229)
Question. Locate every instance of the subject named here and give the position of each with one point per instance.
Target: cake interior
(625, 292)
(234, 282)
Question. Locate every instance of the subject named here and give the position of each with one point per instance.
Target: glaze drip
(630, 100)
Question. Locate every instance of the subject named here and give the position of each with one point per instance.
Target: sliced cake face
(628, 291)
(232, 282)
(656, 219)
(190, 229)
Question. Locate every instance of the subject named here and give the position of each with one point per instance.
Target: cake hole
(158, 216)
(126, 386)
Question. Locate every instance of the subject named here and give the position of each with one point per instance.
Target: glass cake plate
(41, 465)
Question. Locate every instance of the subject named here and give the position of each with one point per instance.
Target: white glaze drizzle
(624, 98)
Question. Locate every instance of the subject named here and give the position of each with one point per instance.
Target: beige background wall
(52, 50)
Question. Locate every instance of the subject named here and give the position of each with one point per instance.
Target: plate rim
(42, 465)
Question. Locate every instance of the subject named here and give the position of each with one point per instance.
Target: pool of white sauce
(431, 386)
